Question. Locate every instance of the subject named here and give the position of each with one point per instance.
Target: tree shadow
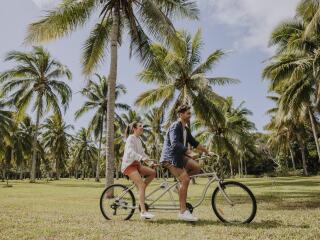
(267, 224)
(200, 222)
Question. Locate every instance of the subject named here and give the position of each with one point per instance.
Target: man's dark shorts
(170, 165)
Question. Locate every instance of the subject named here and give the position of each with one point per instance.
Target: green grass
(288, 208)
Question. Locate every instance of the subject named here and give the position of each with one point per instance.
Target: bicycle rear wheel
(234, 204)
(117, 202)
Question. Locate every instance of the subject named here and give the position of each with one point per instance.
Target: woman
(131, 166)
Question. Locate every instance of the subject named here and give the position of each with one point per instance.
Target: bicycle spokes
(117, 203)
(234, 203)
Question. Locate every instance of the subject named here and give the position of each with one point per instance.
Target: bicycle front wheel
(117, 202)
(234, 203)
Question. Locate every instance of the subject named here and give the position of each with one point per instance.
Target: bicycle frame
(166, 187)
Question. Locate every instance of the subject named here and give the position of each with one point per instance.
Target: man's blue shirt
(173, 147)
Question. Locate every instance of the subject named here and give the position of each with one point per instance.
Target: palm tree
(309, 11)
(96, 93)
(5, 118)
(128, 117)
(116, 18)
(227, 138)
(182, 78)
(34, 79)
(26, 128)
(20, 140)
(154, 121)
(56, 139)
(280, 137)
(294, 71)
(5, 125)
(86, 153)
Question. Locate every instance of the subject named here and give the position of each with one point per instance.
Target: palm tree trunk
(57, 169)
(245, 168)
(292, 158)
(21, 168)
(4, 172)
(314, 131)
(231, 168)
(34, 151)
(241, 167)
(117, 172)
(76, 172)
(302, 148)
(99, 154)
(82, 173)
(111, 99)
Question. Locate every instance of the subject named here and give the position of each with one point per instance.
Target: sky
(242, 27)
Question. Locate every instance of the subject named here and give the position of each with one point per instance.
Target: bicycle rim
(117, 203)
(235, 204)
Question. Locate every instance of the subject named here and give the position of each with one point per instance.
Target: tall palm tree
(116, 18)
(280, 137)
(228, 137)
(5, 119)
(20, 140)
(154, 121)
(5, 125)
(182, 77)
(294, 71)
(35, 79)
(86, 153)
(96, 92)
(56, 139)
(26, 128)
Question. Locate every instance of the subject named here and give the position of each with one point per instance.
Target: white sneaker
(146, 215)
(187, 216)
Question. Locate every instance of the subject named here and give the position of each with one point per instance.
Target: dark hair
(183, 108)
(130, 127)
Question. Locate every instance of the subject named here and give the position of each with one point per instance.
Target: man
(177, 158)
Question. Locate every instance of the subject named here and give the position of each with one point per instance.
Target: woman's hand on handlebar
(151, 163)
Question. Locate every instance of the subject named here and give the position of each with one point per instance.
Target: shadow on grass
(177, 221)
(297, 205)
(290, 200)
(282, 183)
(83, 185)
(254, 225)
(271, 224)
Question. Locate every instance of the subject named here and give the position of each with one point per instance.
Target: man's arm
(194, 143)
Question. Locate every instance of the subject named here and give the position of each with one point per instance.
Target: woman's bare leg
(136, 178)
(149, 173)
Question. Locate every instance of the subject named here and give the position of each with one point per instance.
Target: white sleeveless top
(133, 151)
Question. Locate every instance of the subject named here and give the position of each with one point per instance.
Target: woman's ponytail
(130, 127)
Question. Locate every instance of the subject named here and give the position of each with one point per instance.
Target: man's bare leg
(184, 180)
(183, 190)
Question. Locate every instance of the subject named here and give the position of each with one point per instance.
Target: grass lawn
(288, 208)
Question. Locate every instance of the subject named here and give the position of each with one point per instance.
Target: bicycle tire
(243, 187)
(102, 198)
